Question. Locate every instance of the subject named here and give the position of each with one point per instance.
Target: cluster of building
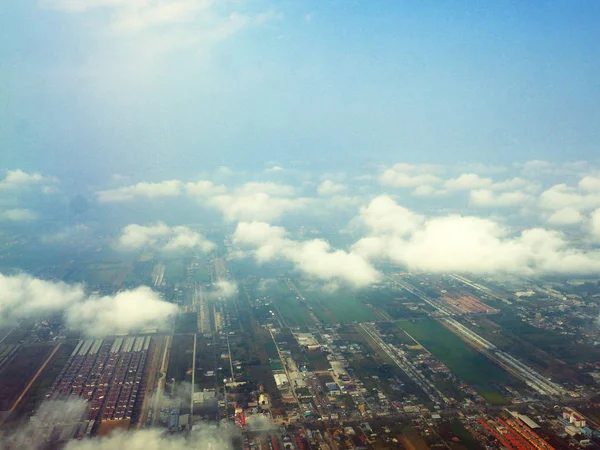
(107, 374)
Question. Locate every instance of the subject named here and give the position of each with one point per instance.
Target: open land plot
(465, 362)
(292, 310)
(176, 270)
(38, 390)
(141, 273)
(341, 306)
(19, 372)
(396, 303)
(180, 361)
(100, 273)
(186, 322)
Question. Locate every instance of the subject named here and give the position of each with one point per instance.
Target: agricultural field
(292, 310)
(465, 362)
(341, 306)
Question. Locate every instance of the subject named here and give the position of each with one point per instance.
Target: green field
(340, 306)
(465, 362)
(293, 311)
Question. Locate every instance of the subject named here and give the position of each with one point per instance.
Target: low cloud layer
(19, 179)
(224, 290)
(164, 189)
(329, 187)
(457, 243)
(36, 433)
(17, 215)
(314, 258)
(23, 296)
(162, 237)
(116, 314)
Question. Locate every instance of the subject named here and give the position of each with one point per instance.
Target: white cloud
(33, 434)
(23, 296)
(314, 258)
(154, 27)
(489, 198)
(18, 179)
(565, 216)
(280, 190)
(18, 215)
(274, 169)
(162, 237)
(204, 188)
(329, 187)
(470, 244)
(164, 189)
(590, 183)
(408, 175)
(224, 290)
(561, 196)
(255, 206)
(383, 215)
(468, 181)
(202, 437)
(510, 184)
(426, 190)
(595, 224)
(140, 308)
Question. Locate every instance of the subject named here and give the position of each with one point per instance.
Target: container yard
(107, 374)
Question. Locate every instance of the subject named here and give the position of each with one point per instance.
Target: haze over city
(344, 224)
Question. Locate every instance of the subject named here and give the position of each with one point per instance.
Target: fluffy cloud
(408, 176)
(561, 196)
(202, 437)
(384, 216)
(329, 187)
(18, 215)
(468, 244)
(468, 181)
(23, 296)
(162, 237)
(565, 216)
(489, 198)
(120, 313)
(590, 183)
(281, 190)
(32, 435)
(224, 289)
(255, 206)
(595, 224)
(204, 188)
(315, 258)
(170, 188)
(18, 178)
(134, 16)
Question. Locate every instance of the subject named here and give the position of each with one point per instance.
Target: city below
(264, 360)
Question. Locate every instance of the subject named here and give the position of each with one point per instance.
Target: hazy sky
(89, 88)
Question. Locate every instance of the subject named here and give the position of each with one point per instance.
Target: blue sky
(95, 87)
